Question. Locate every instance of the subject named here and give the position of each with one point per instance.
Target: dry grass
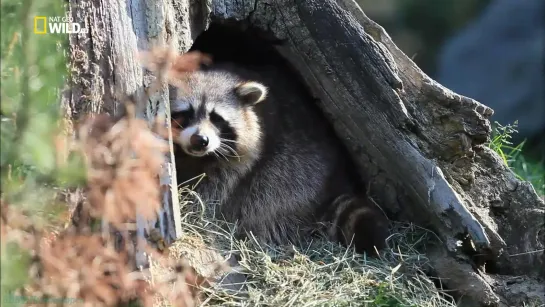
(318, 274)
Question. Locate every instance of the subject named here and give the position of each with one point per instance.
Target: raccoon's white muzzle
(199, 140)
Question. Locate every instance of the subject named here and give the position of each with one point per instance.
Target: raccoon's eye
(216, 119)
(180, 118)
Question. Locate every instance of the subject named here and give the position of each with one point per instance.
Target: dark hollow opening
(251, 47)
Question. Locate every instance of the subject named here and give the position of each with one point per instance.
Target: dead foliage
(88, 270)
(172, 67)
(123, 159)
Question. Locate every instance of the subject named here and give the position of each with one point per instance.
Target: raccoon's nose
(198, 142)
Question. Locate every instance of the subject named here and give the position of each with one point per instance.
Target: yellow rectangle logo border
(36, 19)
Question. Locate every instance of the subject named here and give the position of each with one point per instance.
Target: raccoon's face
(216, 118)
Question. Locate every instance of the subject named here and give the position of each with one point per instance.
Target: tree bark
(104, 67)
(421, 147)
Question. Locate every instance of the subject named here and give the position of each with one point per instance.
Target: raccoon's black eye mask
(182, 117)
(217, 120)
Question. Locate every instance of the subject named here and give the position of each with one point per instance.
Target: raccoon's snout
(198, 142)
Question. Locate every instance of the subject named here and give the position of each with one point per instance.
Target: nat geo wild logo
(57, 25)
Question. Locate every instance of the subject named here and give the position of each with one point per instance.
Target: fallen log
(421, 147)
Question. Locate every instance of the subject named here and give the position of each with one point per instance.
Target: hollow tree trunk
(419, 145)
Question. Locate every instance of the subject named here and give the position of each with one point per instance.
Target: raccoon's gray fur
(272, 162)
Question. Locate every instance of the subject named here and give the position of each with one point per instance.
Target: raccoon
(273, 165)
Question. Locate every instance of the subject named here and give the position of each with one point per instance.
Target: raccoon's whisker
(228, 140)
(219, 154)
(224, 152)
(230, 149)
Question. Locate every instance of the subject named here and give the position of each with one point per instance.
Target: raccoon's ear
(251, 93)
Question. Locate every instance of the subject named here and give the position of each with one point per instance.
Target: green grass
(513, 156)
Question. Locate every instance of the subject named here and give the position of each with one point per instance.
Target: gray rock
(499, 61)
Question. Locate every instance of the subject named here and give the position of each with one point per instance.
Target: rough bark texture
(419, 145)
(104, 67)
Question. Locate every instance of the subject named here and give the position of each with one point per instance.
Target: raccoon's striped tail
(358, 221)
